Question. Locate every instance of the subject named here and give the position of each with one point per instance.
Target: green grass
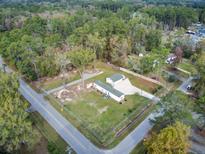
(48, 132)
(186, 65)
(84, 113)
(108, 71)
(139, 149)
(85, 110)
(58, 82)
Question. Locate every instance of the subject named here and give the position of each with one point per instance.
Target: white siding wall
(118, 99)
(108, 80)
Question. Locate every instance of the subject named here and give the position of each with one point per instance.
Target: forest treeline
(32, 39)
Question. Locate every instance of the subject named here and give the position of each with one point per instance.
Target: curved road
(70, 134)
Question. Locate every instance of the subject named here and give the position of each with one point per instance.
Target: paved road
(197, 148)
(184, 85)
(71, 135)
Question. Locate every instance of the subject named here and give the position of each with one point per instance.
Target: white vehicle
(189, 87)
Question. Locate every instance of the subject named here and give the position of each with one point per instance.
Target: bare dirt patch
(102, 110)
(68, 94)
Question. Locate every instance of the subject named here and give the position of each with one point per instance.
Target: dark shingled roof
(109, 88)
(116, 77)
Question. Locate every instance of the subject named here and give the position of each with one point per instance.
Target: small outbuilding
(109, 91)
(114, 79)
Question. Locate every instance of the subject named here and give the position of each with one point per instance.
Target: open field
(100, 118)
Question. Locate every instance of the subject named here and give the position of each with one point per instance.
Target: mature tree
(174, 107)
(146, 63)
(153, 39)
(173, 139)
(15, 127)
(201, 110)
(119, 50)
(81, 58)
(134, 63)
(154, 60)
(200, 47)
(107, 28)
(137, 32)
(35, 26)
(97, 44)
(179, 54)
(200, 65)
(80, 36)
(46, 63)
(54, 40)
(173, 16)
(186, 46)
(63, 61)
(202, 16)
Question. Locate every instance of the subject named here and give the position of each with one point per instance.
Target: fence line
(141, 76)
(135, 74)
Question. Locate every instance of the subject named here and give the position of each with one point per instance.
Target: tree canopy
(15, 127)
(174, 139)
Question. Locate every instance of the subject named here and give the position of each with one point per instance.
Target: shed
(114, 79)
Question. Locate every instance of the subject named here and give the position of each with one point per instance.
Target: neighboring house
(171, 59)
(114, 79)
(109, 91)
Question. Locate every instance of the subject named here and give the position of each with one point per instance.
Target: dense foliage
(174, 16)
(174, 107)
(15, 127)
(172, 139)
(34, 36)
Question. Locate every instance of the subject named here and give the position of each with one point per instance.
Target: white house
(114, 79)
(171, 59)
(109, 91)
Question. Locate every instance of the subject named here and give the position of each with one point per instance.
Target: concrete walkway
(127, 88)
(86, 77)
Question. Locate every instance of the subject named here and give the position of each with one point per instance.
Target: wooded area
(41, 39)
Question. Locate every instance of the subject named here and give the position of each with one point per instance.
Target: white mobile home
(109, 91)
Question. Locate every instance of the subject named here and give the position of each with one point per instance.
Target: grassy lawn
(48, 132)
(48, 85)
(186, 65)
(100, 118)
(139, 149)
(136, 81)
